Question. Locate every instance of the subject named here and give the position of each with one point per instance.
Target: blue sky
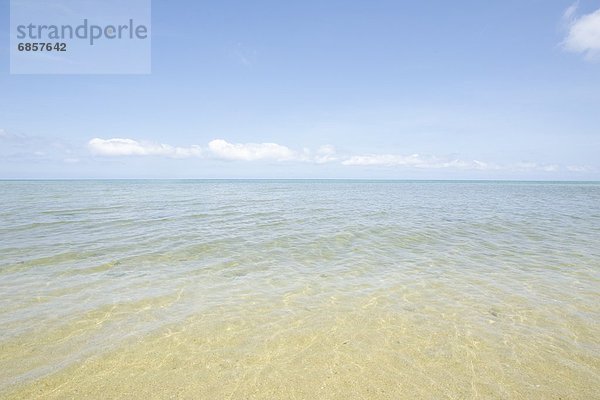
(325, 89)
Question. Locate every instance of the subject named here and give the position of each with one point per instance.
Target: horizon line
(295, 179)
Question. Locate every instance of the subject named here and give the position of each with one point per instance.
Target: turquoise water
(299, 289)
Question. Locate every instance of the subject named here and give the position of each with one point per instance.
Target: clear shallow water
(299, 289)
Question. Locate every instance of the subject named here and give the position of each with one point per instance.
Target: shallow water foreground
(302, 289)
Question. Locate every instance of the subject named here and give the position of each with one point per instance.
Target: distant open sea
(299, 290)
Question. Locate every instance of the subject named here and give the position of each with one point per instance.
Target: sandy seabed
(363, 347)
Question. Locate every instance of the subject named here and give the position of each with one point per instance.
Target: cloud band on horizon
(221, 149)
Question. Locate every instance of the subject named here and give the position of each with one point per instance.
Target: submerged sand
(362, 347)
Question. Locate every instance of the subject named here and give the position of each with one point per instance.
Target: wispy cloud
(24, 147)
(414, 161)
(435, 162)
(583, 34)
(251, 151)
(580, 168)
(325, 154)
(531, 166)
(570, 12)
(388, 160)
(129, 147)
(244, 54)
(12, 137)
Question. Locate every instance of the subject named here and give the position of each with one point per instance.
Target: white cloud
(325, 154)
(381, 159)
(218, 148)
(584, 33)
(549, 168)
(531, 166)
(434, 162)
(270, 151)
(414, 161)
(129, 147)
(579, 168)
(221, 149)
(252, 151)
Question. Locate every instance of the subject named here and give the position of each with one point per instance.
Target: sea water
(299, 290)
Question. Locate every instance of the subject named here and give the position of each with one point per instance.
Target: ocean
(299, 289)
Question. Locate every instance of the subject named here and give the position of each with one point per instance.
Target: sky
(370, 89)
